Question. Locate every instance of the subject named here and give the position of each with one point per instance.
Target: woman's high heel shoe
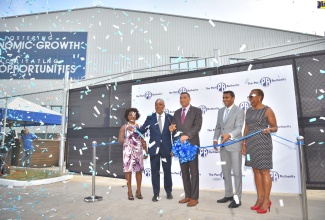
(263, 211)
(139, 196)
(255, 207)
(130, 197)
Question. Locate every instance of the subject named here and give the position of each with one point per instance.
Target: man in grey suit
(229, 126)
(188, 120)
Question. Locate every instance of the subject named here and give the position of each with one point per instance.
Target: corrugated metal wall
(124, 40)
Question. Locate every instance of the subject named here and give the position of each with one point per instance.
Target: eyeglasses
(251, 96)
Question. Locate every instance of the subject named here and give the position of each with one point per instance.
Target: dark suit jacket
(163, 140)
(192, 124)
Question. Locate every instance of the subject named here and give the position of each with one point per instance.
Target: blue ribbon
(187, 152)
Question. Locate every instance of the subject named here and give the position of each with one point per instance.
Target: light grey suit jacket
(233, 125)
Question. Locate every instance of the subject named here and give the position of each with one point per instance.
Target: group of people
(187, 123)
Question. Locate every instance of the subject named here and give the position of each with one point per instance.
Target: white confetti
(221, 163)
(310, 73)
(181, 195)
(311, 143)
(236, 199)
(322, 118)
(215, 60)
(281, 202)
(128, 48)
(158, 56)
(116, 97)
(115, 26)
(165, 28)
(96, 109)
(321, 90)
(114, 175)
(100, 102)
(80, 151)
(249, 67)
(211, 22)
(321, 130)
(140, 58)
(157, 150)
(177, 134)
(164, 160)
(242, 48)
(152, 143)
(315, 59)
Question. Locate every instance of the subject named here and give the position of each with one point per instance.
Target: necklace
(131, 124)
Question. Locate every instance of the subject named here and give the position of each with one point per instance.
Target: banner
(206, 93)
(42, 55)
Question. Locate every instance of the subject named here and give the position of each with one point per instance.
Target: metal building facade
(124, 40)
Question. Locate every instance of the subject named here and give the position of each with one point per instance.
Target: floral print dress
(132, 152)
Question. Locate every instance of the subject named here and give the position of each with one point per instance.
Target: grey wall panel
(123, 40)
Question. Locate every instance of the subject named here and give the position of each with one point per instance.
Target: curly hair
(127, 111)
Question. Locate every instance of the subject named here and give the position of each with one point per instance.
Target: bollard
(93, 197)
(300, 143)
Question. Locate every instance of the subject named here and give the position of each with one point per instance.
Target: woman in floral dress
(133, 146)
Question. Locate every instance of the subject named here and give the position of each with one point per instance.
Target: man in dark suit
(188, 120)
(160, 139)
(230, 122)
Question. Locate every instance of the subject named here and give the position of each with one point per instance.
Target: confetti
(96, 109)
(236, 199)
(310, 73)
(312, 119)
(212, 23)
(114, 175)
(177, 134)
(158, 56)
(182, 195)
(248, 157)
(221, 163)
(80, 151)
(152, 143)
(281, 202)
(322, 71)
(163, 160)
(315, 59)
(311, 143)
(320, 97)
(321, 130)
(242, 48)
(321, 90)
(249, 67)
(157, 150)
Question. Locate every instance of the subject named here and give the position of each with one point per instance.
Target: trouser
(26, 158)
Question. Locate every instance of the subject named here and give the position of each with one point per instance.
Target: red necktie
(183, 115)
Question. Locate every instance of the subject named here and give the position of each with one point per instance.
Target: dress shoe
(263, 211)
(169, 196)
(192, 203)
(155, 198)
(225, 199)
(185, 200)
(233, 204)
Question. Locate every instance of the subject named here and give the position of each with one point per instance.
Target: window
(187, 66)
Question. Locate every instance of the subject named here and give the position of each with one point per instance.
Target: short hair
(231, 93)
(186, 94)
(127, 111)
(160, 100)
(22, 132)
(260, 93)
